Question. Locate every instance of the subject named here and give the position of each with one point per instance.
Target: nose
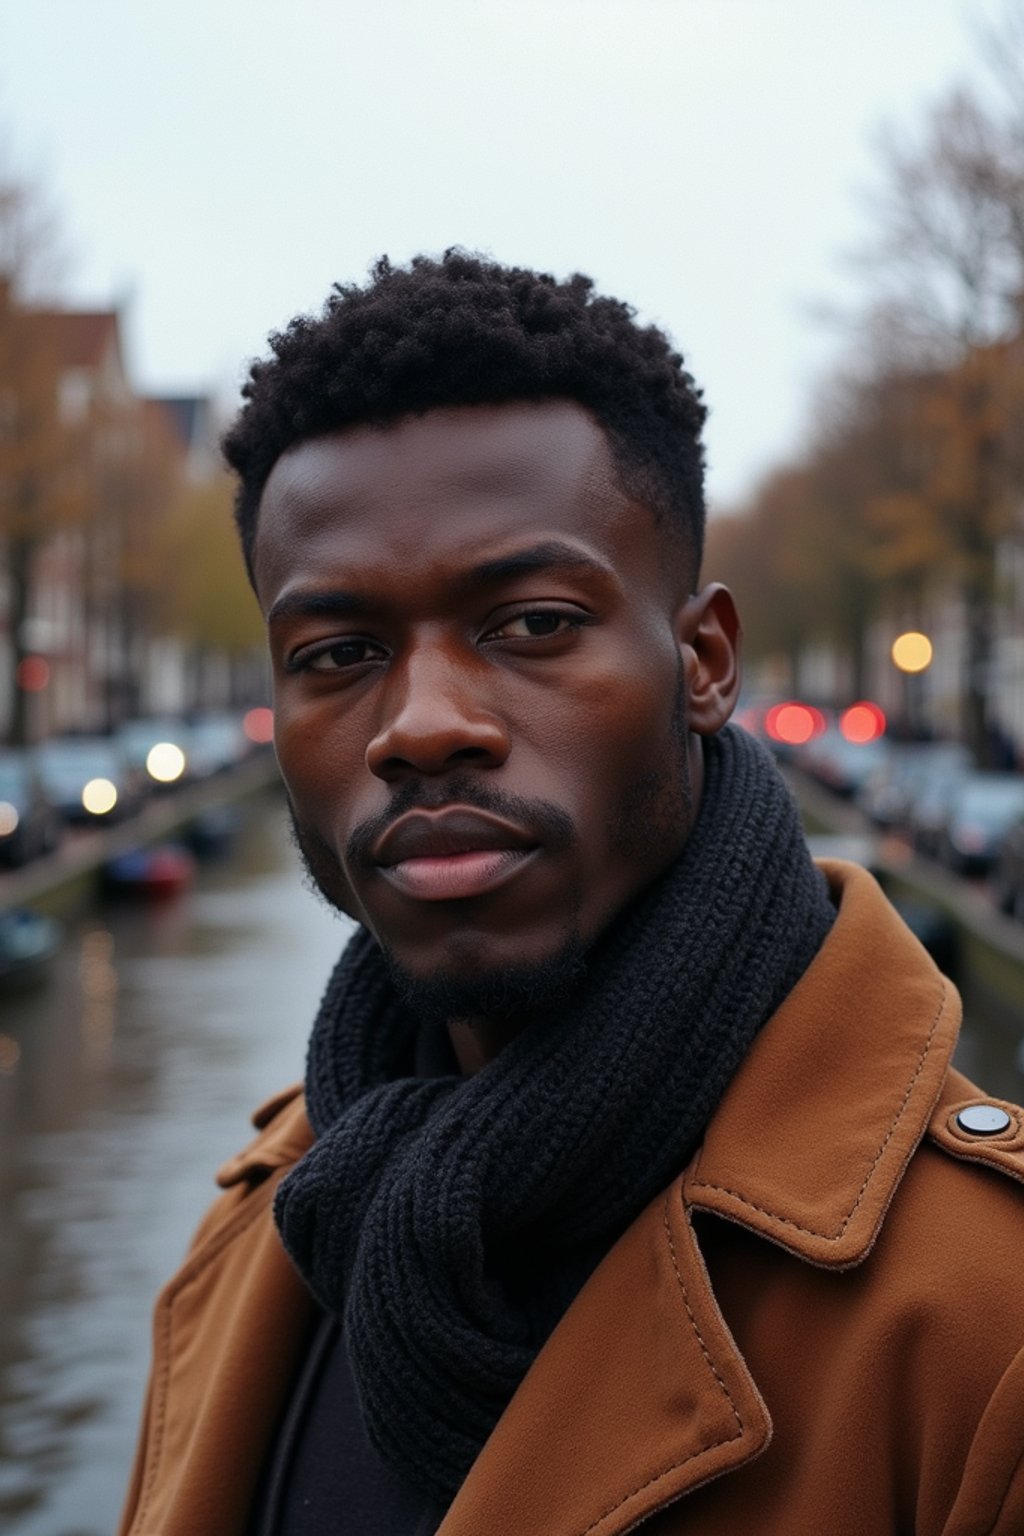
(435, 718)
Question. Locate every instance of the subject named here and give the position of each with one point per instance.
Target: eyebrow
(551, 555)
(547, 556)
(312, 604)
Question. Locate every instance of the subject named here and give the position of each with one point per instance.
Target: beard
(521, 993)
(647, 818)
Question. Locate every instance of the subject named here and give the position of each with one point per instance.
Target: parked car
(935, 790)
(1008, 872)
(889, 793)
(156, 750)
(216, 742)
(842, 765)
(982, 811)
(88, 778)
(30, 824)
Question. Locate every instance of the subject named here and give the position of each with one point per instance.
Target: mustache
(552, 826)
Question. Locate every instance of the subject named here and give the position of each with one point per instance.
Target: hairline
(678, 538)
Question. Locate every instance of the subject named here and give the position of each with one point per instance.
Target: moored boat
(159, 871)
(28, 943)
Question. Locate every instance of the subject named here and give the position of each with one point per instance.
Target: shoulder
(976, 1129)
(942, 1292)
(956, 1226)
(908, 1364)
(967, 1175)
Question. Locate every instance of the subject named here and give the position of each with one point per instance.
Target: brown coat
(816, 1331)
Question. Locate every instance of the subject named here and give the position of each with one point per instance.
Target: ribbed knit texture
(449, 1221)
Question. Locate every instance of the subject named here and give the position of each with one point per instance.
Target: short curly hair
(464, 330)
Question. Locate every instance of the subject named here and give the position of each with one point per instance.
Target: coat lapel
(638, 1396)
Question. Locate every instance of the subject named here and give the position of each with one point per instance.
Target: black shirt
(322, 1476)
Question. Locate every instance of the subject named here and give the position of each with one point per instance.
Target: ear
(709, 632)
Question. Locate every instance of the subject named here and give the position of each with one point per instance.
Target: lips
(451, 854)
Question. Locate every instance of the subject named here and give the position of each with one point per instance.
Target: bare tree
(948, 268)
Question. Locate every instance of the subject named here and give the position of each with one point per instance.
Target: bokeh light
(862, 722)
(793, 723)
(165, 762)
(258, 725)
(912, 651)
(9, 818)
(33, 674)
(99, 797)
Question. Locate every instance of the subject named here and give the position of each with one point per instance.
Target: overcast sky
(219, 163)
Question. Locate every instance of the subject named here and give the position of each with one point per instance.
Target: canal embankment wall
(69, 878)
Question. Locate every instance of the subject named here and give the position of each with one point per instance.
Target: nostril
(428, 734)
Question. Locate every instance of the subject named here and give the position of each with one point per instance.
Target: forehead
(446, 488)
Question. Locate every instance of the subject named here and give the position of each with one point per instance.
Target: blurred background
(823, 205)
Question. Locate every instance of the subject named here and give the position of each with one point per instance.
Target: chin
(496, 991)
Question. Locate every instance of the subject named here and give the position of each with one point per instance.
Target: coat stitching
(834, 1237)
(704, 1449)
(693, 1324)
(975, 1157)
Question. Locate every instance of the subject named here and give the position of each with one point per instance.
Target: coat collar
(816, 1128)
(641, 1395)
(284, 1135)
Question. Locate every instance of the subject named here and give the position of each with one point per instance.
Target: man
(631, 1185)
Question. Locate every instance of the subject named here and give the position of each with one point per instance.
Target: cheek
(317, 759)
(622, 729)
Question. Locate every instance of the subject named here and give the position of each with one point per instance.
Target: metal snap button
(983, 1120)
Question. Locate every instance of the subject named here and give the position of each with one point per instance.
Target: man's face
(482, 657)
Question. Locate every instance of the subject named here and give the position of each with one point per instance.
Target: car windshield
(915, 765)
(13, 779)
(139, 735)
(990, 801)
(215, 732)
(94, 759)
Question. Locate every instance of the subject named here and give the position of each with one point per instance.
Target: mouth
(453, 854)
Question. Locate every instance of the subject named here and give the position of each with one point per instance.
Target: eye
(536, 624)
(337, 655)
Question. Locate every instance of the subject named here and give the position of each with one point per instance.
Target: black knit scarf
(450, 1220)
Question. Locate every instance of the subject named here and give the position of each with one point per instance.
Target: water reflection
(123, 1084)
(98, 978)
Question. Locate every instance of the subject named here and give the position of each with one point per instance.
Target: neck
(477, 1041)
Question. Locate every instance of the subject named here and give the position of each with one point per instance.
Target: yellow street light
(912, 652)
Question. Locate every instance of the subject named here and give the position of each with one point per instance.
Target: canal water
(124, 1082)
